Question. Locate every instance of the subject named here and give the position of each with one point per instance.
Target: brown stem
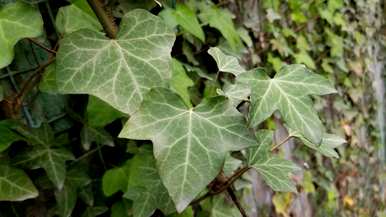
(42, 46)
(224, 186)
(236, 201)
(281, 143)
(107, 22)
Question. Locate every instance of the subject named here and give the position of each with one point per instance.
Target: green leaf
(221, 19)
(44, 155)
(181, 82)
(222, 208)
(226, 63)
(120, 209)
(90, 135)
(186, 213)
(94, 211)
(48, 83)
(326, 147)
(99, 113)
(15, 185)
(66, 201)
(117, 71)
(185, 17)
(274, 170)
(8, 136)
(190, 145)
(115, 180)
(72, 18)
(304, 57)
(17, 21)
(145, 186)
(287, 92)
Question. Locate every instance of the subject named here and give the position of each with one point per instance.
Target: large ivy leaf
(145, 187)
(118, 71)
(185, 17)
(189, 144)
(226, 63)
(274, 170)
(72, 18)
(17, 21)
(15, 185)
(287, 92)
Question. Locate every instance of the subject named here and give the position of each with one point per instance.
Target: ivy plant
(182, 131)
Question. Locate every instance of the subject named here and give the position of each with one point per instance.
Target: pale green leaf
(304, 57)
(100, 113)
(274, 170)
(185, 17)
(17, 21)
(51, 159)
(15, 185)
(190, 145)
(117, 71)
(289, 93)
(226, 63)
(181, 82)
(145, 186)
(221, 19)
(222, 208)
(89, 135)
(72, 18)
(48, 82)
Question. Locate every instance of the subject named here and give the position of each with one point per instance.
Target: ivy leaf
(99, 136)
(274, 170)
(8, 136)
(287, 92)
(185, 17)
(145, 186)
(181, 82)
(99, 113)
(51, 159)
(115, 180)
(117, 71)
(15, 185)
(94, 211)
(45, 155)
(190, 145)
(72, 18)
(17, 21)
(326, 147)
(66, 201)
(221, 19)
(226, 63)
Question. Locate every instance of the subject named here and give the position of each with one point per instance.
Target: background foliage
(68, 152)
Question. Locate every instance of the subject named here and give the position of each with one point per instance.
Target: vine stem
(282, 142)
(105, 19)
(236, 201)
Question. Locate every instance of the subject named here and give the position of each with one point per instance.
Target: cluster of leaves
(174, 118)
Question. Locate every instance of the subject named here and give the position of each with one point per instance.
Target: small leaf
(17, 21)
(181, 82)
(274, 170)
(72, 18)
(120, 209)
(327, 146)
(90, 135)
(145, 186)
(221, 19)
(287, 92)
(115, 180)
(190, 145)
(94, 211)
(221, 208)
(8, 136)
(15, 185)
(226, 63)
(118, 71)
(99, 113)
(185, 17)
